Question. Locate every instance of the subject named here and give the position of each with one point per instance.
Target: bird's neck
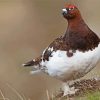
(79, 36)
(76, 25)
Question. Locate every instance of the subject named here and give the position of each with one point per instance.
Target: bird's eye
(71, 8)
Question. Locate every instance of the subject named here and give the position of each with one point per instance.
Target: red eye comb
(70, 6)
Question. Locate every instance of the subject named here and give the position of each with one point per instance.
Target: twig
(48, 97)
(3, 97)
(25, 97)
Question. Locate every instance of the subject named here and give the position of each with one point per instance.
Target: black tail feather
(33, 62)
(30, 63)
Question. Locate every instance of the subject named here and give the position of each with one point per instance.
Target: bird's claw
(69, 90)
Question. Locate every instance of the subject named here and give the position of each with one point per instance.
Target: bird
(73, 54)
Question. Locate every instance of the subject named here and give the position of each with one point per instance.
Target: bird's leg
(68, 90)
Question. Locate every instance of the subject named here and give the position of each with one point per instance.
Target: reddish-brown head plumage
(78, 35)
(70, 6)
(70, 12)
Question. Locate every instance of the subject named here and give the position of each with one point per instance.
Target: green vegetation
(93, 96)
(90, 96)
(87, 96)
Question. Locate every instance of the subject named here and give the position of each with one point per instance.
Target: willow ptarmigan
(73, 54)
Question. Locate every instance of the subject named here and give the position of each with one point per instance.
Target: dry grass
(89, 90)
(19, 95)
(48, 96)
(16, 92)
(3, 97)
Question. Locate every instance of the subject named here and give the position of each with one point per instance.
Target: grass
(20, 96)
(86, 96)
(89, 96)
(93, 96)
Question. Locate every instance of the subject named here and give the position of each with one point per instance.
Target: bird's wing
(57, 44)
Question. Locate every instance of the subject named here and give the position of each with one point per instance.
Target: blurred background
(26, 28)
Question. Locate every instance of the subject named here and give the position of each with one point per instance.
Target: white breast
(63, 67)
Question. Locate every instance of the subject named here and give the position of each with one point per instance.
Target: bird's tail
(29, 63)
(33, 62)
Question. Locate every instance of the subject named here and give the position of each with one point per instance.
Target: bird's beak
(64, 11)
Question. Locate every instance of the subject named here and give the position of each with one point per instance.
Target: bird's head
(70, 12)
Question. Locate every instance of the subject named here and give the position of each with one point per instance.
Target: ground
(89, 89)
